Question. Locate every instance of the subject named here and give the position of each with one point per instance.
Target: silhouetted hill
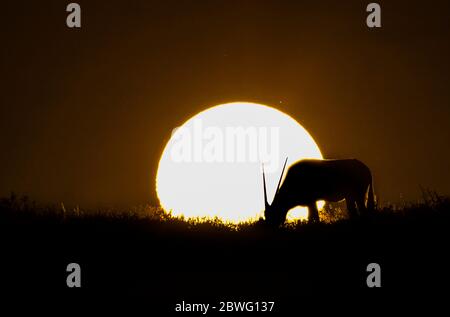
(143, 254)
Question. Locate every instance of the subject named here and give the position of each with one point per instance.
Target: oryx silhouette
(310, 180)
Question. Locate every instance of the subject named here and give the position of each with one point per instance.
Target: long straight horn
(266, 204)
(281, 177)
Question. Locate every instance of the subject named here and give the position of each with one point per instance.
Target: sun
(211, 165)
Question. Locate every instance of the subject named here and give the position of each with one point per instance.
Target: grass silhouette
(21, 210)
(143, 251)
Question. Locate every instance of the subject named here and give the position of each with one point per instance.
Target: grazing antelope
(309, 180)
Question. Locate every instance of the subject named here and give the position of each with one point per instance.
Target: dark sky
(85, 114)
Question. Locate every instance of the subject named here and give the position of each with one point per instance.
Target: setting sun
(211, 166)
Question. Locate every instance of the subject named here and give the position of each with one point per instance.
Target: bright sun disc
(211, 166)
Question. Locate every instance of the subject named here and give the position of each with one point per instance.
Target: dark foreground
(157, 262)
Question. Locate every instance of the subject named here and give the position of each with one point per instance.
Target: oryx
(310, 180)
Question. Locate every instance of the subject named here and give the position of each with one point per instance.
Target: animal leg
(361, 206)
(351, 207)
(313, 215)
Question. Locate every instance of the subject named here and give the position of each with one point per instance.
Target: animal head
(273, 216)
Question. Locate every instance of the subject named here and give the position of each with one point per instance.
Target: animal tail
(370, 197)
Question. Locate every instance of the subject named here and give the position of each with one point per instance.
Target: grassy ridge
(143, 252)
(21, 210)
